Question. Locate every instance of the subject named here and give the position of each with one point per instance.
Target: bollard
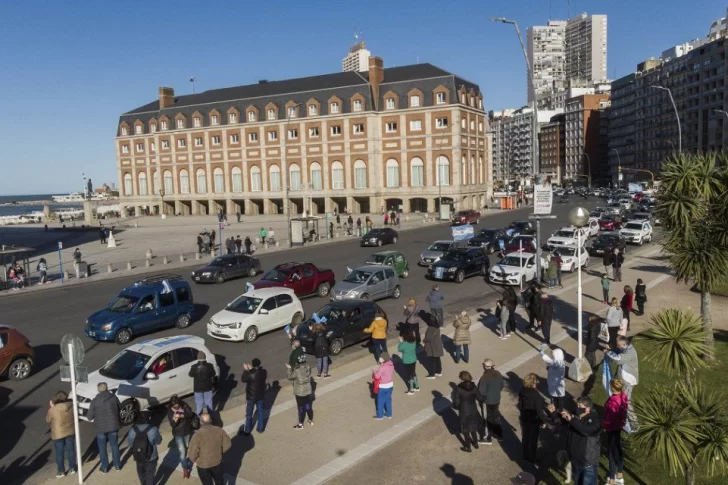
(136, 224)
(65, 275)
(164, 260)
(147, 263)
(197, 256)
(265, 245)
(128, 265)
(149, 254)
(109, 268)
(278, 244)
(181, 258)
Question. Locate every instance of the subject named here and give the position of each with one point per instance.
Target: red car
(610, 222)
(528, 243)
(305, 279)
(638, 196)
(466, 217)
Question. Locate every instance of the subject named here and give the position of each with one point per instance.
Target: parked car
(154, 303)
(610, 222)
(606, 242)
(568, 236)
(466, 217)
(395, 259)
(615, 208)
(435, 251)
(641, 216)
(379, 236)
(369, 282)
(517, 228)
(518, 243)
(597, 213)
(345, 324)
(488, 239)
(457, 264)
(637, 232)
(17, 357)
(226, 267)
(514, 269)
(130, 375)
(305, 279)
(256, 312)
(569, 258)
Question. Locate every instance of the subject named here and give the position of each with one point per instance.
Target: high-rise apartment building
(552, 149)
(586, 48)
(547, 58)
(357, 59)
(583, 155)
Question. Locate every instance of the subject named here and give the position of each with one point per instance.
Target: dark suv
(457, 264)
(605, 243)
(488, 239)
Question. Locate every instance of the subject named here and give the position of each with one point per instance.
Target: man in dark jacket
(511, 302)
(583, 442)
(490, 386)
(203, 381)
(148, 468)
(594, 326)
(254, 379)
(617, 262)
(607, 261)
(104, 412)
(435, 299)
(546, 315)
(534, 306)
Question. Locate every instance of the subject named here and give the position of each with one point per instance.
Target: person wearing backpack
(143, 439)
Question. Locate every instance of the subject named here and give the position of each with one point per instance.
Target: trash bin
(82, 269)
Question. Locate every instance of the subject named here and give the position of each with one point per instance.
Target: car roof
(370, 267)
(289, 266)
(386, 253)
(609, 233)
(154, 346)
(153, 283)
(522, 254)
(442, 241)
(268, 292)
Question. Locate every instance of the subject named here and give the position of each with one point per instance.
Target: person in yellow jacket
(378, 329)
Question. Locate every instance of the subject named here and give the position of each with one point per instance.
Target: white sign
(461, 233)
(60, 245)
(543, 196)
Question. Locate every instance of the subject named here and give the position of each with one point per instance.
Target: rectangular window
(313, 132)
(215, 140)
(252, 137)
(164, 125)
(140, 147)
(272, 135)
(196, 122)
(334, 108)
(312, 110)
(180, 124)
(358, 128)
(440, 98)
(390, 103)
(292, 134)
(415, 125)
(480, 126)
(414, 101)
(124, 131)
(138, 129)
(124, 148)
(391, 127)
(251, 116)
(213, 119)
(336, 130)
(271, 114)
(181, 143)
(357, 105)
(183, 294)
(255, 184)
(472, 125)
(441, 122)
(198, 141)
(233, 118)
(152, 146)
(234, 139)
(292, 112)
(464, 123)
(154, 128)
(165, 144)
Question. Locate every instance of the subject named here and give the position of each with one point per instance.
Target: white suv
(567, 236)
(637, 232)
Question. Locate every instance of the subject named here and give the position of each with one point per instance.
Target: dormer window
(440, 99)
(138, 129)
(334, 108)
(414, 101)
(357, 105)
(214, 120)
(271, 114)
(180, 124)
(390, 103)
(232, 118)
(196, 122)
(292, 112)
(251, 116)
(124, 131)
(312, 110)
(164, 125)
(153, 128)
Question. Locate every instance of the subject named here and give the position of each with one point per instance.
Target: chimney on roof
(376, 76)
(166, 97)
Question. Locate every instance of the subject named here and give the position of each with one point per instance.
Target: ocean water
(20, 209)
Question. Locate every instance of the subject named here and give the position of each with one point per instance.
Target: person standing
(607, 261)
(180, 418)
(434, 350)
(104, 412)
(617, 262)
(263, 233)
(248, 245)
(207, 447)
(203, 381)
(546, 315)
(378, 329)
(77, 262)
(301, 377)
(462, 337)
(551, 272)
(534, 306)
(557, 259)
(593, 329)
(143, 439)
(532, 416)
(358, 227)
(555, 369)
(511, 302)
(605, 289)
(435, 299)
(490, 385)
(321, 349)
(384, 373)
(238, 215)
(412, 318)
(615, 418)
(584, 446)
(60, 417)
(350, 221)
(464, 400)
(407, 349)
(614, 320)
(43, 270)
(386, 219)
(238, 244)
(625, 355)
(640, 296)
(503, 315)
(102, 235)
(254, 377)
(627, 303)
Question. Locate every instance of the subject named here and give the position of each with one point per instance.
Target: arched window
(481, 179)
(201, 181)
(128, 184)
(237, 176)
(337, 176)
(156, 178)
(184, 182)
(294, 174)
(473, 180)
(168, 183)
(360, 174)
(464, 171)
(255, 184)
(392, 173)
(417, 177)
(142, 183)
(219, 180)
(443, 170)
(275, 178)
(317, 182)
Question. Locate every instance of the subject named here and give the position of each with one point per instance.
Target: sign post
(520, 260)
(60, 259)
(222, 226)
(73, 353)
(543, 201)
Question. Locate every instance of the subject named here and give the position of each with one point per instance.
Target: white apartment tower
(547, 58)
(586, 48)
(358, 58)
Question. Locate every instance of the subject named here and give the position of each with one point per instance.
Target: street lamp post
(580, 369)
(677, 116)
(288, 173)
(161, 194)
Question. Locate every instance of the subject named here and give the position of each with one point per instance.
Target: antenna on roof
(193, 80)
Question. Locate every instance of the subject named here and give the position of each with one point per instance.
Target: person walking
(546, 315)
(503, 315)
(607, 261)
(378, 330)
(617, 262)
(627, 303)
(407, 349)
(203, 381)
(614, 320)
(301, 377)
(435, 299)
(552, 272)
(207, 447)
(461, 338)
(254, 377)
(181, 419)
(532, 416)
(640, 296)
(412, 319)
(60, 417)
(384, 374)
(104, 412)
(584, 446)
(143, 439)
(263, 233)
(464, 400)
(358, 227)
(491, 385)
(102, 235)
(615, 418)
(200, 244)
(605, 289)
(434, 350)
(321, 349)
(625, 355)
(555, 371)
(510, 299)
(248, 245)
(43, 270)
(238, 215)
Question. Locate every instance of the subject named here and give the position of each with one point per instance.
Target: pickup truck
(305, 279)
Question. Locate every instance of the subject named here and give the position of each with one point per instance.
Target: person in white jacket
(556, 368)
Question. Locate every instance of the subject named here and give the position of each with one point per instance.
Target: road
(46, 316)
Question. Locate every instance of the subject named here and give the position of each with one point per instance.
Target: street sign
(69, 343)
(60, 245)
(222, 226)
(81, 373)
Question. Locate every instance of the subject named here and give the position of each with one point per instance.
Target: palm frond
(698, 261)
(708, 407)
(677, 341)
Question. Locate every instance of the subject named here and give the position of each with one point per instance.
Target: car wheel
(397, 292)
(297, 319)
(364, 297)
(183, 321)
(252, 272)
(379, 242)
(251, 333)
(123, 336)
(642, 241)
(128, 412)
(394, 240)
(405, 273)
(460, 277)
(20, 369)
(220, 278)
(323, 289)
(337, 345)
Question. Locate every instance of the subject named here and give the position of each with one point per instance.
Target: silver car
(369, 282)
(433, 253)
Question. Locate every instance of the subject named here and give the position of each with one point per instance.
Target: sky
(70, 68)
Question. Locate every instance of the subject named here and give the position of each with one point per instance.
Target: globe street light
(580, 370)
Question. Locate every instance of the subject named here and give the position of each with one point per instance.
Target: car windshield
(564, 234)
(486, 234)
(217, 262)
(636, 226)
(275, 275)
(565, 251)
(125, 365)
(608, 218)
(518, 225)
(615, 205)
(358, 276)
(595, 213)
(641, 215)
(454, 256)
(123, 304)
(245, 304)
(377, 258)
(513, 261)
(330, 312)
(519, 239)
(375, 232)
(439, 247)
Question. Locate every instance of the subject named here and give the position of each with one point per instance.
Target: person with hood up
(407, 349)
(640, 296)
(296, 353)
(490, 386)
(462, 337)
(625, 355)
(412, 319)
(583, 442)
(104, 412)
(60, 417)
(378, 329)
(615, 417)
(556, 369)
(321, 349)
(533, 416)
(384, 373)
(546, 316)
(302, 390)
(465, 397)
(434, 349)
(435, 299)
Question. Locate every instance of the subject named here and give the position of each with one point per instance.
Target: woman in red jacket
(627, 302)
(615, 417)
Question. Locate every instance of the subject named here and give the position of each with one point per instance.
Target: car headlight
(372, 239)
(207, 273)
(87, 321)
(451, 270)
(106, 327)
(192, 273)
(353, 293)
(237, 325)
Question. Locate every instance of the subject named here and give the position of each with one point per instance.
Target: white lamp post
(580, 370)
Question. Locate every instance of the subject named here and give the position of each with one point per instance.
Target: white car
(256, 312)
(513, 269)
(593, 226)
(146, 374)
(567, 236)
(625, 203)
(637, 232)
(569, 260)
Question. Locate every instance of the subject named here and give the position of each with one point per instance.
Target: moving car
(517, 228)
(610, 222)
(514, 269)
(345, 324)
(598, 213)
(305, 279)
(368, 282)
(379, 236)
(488, 239)
(640, 216)
(395, 259)
(615, 208)
(256, 312)
(146, 374)
(518, 243)
(457, 264)
(154, 303)
(636, 232)
(435, 251)
(226, 267)
(569, 260)
(466, 217)
(568, 236)
(593, 226)
(605, 243)
(16, 354)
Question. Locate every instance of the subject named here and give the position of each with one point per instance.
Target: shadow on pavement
(225, 385)
(45, 356)
(233, 459)
(199, 312)
(455, 478)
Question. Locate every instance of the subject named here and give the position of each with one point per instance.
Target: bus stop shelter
(305, 229)
(14, 254)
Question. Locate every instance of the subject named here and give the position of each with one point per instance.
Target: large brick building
(387, 137)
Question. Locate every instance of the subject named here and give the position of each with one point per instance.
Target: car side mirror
(263, 311)
(372, 282)
(150, 376)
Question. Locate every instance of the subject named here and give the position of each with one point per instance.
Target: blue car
(148, 305)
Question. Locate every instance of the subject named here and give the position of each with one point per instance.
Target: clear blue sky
(71, 67)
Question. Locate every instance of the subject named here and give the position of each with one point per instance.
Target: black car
(457, 264)
(379, 236)
(488, 239)
(345, 324)
(521, 227)
(606, 242)
(227, 267)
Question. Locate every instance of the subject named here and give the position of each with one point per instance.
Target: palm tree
(693, 206)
